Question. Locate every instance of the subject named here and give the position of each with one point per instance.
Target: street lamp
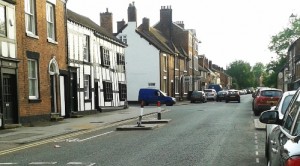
(292, 18)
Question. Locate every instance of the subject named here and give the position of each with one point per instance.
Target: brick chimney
(180, 23)
(120, 25)
(201, 60)
(210, 64)
(166, 20)
(131, 11)
(106, 21)
(146, 24)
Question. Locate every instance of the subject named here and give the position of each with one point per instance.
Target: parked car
(284, 139)
(264, 99)
(221, 95)
(211, 94)
(280, 108)
(152, 96)
(216, 87)
(198, 96)
(233, 95)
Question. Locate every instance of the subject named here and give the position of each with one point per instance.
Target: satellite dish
(280, 75)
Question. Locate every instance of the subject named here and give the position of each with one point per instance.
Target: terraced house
(42, 66)
(9, 64)
(96, 60)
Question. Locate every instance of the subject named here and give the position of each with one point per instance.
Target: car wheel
(192, 101)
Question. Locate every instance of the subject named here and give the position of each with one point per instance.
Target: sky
(229, 30)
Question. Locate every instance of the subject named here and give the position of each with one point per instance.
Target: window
(108, 92)
(105, 58)
(30, 16)
(290, 116)
(33, 79)
(165, 63)
(122, 92)
(50, 21)
(87, 87)
(177, 84)
(86, 48)
(164, 84)
(2, 21)
(121, 62)
(123, 38)
(176, 62)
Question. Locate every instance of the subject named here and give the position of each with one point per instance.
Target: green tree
(279, 44)
(241, 74)
(258, 70)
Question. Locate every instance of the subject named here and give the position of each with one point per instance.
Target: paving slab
(136, 127)
(258, 125)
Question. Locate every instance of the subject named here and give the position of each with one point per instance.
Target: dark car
(198, 96)
(233, 95)
(221, 95)
(284, 139)
(264, 99)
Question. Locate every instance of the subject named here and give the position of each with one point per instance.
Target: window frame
(86, 48)
(105, 57)
(4, 24)
(87, 86)
(35, 95)
(30, 17)
(108, 91)
(50, 18)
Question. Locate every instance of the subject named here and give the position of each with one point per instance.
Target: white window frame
(86, 48)
(30, 22)
(33, 79)
(2, 20)
(165, 62)
(50, 10)
(86, 87)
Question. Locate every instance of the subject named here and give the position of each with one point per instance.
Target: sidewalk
(22, 135)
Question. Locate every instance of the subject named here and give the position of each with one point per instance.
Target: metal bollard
(158, 111)
(139, 123)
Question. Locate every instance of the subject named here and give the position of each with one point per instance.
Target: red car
(264, 99)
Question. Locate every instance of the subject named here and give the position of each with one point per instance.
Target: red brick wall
(46, 51)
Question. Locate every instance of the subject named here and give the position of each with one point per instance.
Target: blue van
(152, 96)
(216, 87)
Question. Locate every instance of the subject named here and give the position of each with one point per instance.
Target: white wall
(142, 63)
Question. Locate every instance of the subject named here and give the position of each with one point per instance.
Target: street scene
(212, 133)
(171, 83)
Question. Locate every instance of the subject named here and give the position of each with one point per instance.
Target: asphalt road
(212, 133)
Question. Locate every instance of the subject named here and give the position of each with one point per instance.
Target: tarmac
(42, 131)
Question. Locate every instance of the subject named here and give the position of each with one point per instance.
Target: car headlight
(174, 99)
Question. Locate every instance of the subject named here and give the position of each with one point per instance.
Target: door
(53, 93)
(97, 96)
(10, 111)
(73, 92)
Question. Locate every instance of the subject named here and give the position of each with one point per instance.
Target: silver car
(211, 94)
(280, 108)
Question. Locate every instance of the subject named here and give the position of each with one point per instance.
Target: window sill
(34, 100)
(29, 34)
(52, 41)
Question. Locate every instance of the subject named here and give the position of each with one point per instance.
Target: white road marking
(256, 142)
(257, 160)
(8, 163)
(256, 152)
(95, 136)
(42, 163)
(80, 163)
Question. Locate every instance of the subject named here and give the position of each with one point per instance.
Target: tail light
(293, 161)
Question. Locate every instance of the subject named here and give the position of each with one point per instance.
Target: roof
(154, 37)
(87, 22)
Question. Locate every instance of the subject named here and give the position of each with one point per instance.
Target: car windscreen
(271, 93)
(285, 103)
(207, 90)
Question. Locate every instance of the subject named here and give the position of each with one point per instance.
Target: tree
(241, 74)
(258, 70)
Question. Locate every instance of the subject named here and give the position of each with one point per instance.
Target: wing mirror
(269, 117)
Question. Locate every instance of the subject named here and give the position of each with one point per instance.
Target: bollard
(158, 111)
(139, 123)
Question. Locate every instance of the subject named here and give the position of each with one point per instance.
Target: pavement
(42, 131)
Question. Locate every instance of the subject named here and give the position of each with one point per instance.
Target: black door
(73, 92)
(10, 111)
(97, 96)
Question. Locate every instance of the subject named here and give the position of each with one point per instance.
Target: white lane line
(80, 163)
(257, 160)
(8, 163)
(255, 137)
(256, 152)
(95, 136)
(42, 163)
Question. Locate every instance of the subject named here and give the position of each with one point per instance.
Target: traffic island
(155, 121)
(136, 127)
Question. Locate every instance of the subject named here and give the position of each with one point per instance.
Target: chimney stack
(131, 11)
(106, 21)
(120, 25)
(146, 24)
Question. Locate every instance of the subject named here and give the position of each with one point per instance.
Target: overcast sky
(229, 30)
